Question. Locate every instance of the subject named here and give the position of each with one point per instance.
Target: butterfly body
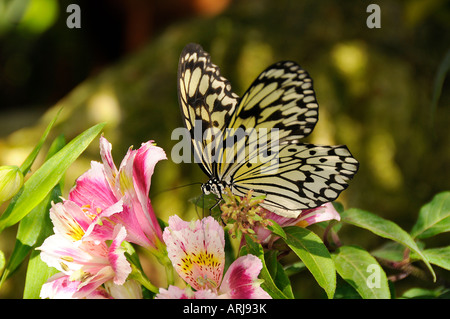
(253, 142)
(215, 186)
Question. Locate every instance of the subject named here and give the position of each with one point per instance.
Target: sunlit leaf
(383, 228)
(439, 256)
(314, 254)
(37, 274)
(2, 261)
(362, 272)
(434, 217)
(26, 165)
(268, 284)
(37, 187)
(421, 293)
(35, 226)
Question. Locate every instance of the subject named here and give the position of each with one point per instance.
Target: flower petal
(318, 214)
(59, 286)
(144, 165)
(117, 257)
(241, 279)
(92, 189)
(134, 178)
(69, 220)
(131, 289)
(196, 251)
(110, 168)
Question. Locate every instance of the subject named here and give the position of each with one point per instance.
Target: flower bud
(11, 180)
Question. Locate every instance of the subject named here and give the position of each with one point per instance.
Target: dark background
(382, 92)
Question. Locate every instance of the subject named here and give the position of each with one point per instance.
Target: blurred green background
(382, 92)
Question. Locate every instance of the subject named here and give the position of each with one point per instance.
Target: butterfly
(275, 113)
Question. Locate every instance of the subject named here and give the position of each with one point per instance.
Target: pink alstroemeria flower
(307, 217)
(120, 196)
(87, 261)
(60, 286)
(197, 252)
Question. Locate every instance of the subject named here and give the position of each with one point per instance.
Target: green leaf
(268, 285)
(439, 256)
(314, 254)
(420, 293)
(357, 267)
(294, 268)
(345, 291)
(36, 226)
(37, 187)
(2, 261)
(37, 274)
(385, 229)
(434, 217)
(276, 229)
(26, 165)
(33, 229)
(278, 274)
(391, 250)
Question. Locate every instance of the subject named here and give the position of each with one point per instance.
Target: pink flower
(60, 286)
(120, 196)
(86, 261)
(307, 217)
(197, 252)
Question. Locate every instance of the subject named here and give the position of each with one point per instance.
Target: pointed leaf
(362, 272)
(278, 274)
(314, 254)
(37, 274)
(37, 187)
(434, 217)
(26, 165)
(439, 256)
(33, 229)
(268, 285)
(2, 261)
(383, 228)
(36, 226)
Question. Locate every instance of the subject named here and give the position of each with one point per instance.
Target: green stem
(169, 275)
(163, 259)
(137, 275)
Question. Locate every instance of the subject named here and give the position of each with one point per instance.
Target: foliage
(342, 270)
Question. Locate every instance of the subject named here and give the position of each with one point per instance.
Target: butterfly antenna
(174, 188)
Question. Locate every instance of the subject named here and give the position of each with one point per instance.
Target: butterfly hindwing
(300, 176)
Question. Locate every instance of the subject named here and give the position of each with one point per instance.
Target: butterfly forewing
(206, 102)
(279, 106)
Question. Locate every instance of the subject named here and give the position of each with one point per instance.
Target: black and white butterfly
(292, 176)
